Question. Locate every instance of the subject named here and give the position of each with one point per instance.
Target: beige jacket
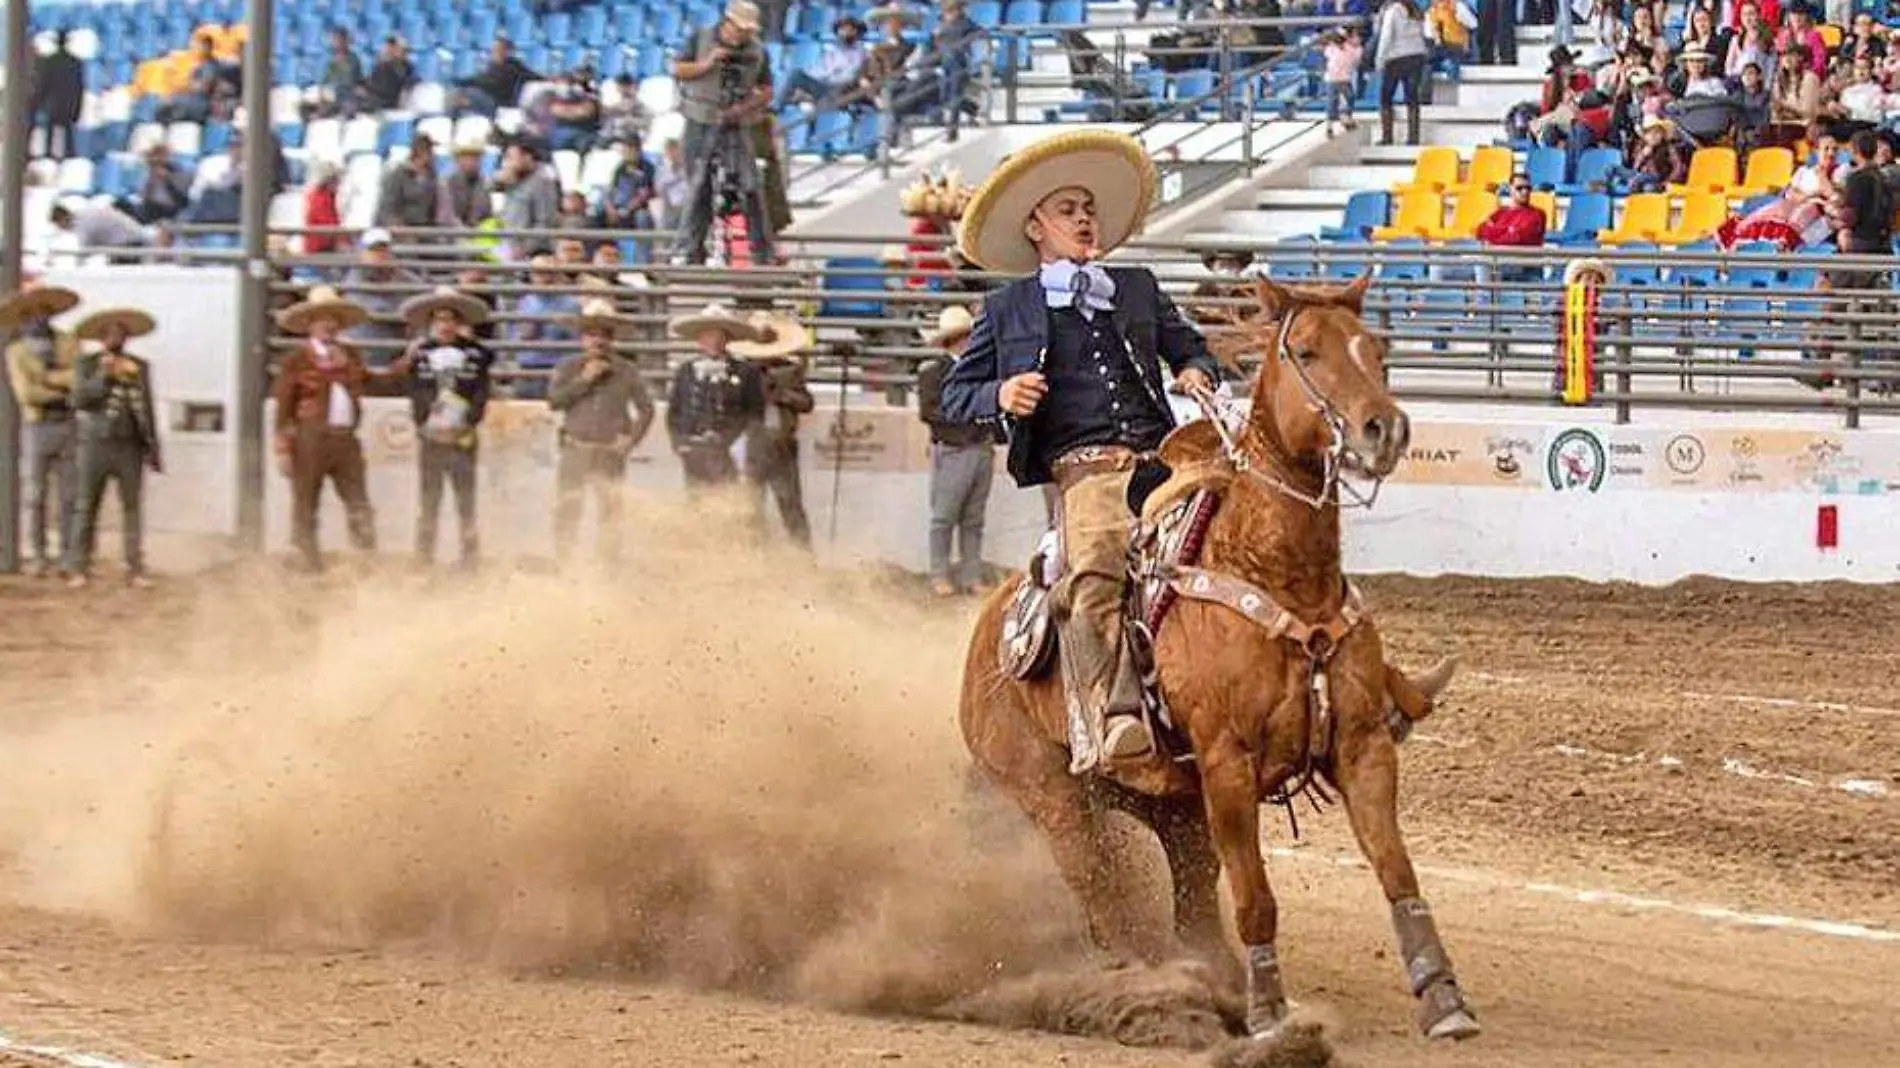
(35, 385)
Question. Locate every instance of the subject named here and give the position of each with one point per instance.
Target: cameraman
(725, 90)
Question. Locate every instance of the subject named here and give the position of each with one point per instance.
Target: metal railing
(1679, 329)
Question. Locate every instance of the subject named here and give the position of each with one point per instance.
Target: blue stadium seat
(830, 131)
(864, 134)
(985, 13)
(1364, 211)
(290, 134)
(217, 137)
(630, 24)
(590, 26)
(805, 55)
(813, 22)
(865, 278)
(396, 133)
(1066, 13)
(1587, 214)
(1593, 169)
(1023, 13)
(1545, 167)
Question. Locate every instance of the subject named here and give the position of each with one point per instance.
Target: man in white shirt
(837, 68)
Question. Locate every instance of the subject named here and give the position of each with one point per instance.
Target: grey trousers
(441, 463)
(959, 496)
(580, 467)
(52, 454)
(103, 460)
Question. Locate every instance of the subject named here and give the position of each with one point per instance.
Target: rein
(1232, 426)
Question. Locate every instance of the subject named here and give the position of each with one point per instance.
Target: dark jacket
(92, 395)
(1013, 332)
(470, 381)
(713, 402)
(58, 88)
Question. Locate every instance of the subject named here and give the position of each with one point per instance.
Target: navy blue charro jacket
(1012, 334)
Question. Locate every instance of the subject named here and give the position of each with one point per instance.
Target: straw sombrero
(714, 317)
(952, 323)
(877, 16)
(1112, 166)
(599, 313)
(323, 301)
(779, 335)
(417, 310)
(1577, 268)
(1693, 55)
(37, 302)
(135, 323)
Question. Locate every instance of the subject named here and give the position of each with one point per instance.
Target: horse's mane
(1252, 333)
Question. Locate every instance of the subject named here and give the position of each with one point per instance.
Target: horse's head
(1322, 383)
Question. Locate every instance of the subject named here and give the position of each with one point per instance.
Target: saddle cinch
(1163, 548)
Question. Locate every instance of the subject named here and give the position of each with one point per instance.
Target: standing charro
(118, 438)
(1070, 359)
(40, 365)
(715, 399)
(319, 398)
(449, 386)
(771, 444)
(605, 412)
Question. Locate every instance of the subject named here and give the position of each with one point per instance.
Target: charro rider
(1071, 359)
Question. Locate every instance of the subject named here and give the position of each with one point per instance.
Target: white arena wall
(1498, 491)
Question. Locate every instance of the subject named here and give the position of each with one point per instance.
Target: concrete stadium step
(1496, 90)
(1354, 176)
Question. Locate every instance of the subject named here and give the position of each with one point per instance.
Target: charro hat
(952, 323)
(779, 335)
(323, 302)
(599, 313)
(417, 310)
(879, 15)
(135, 323)
(714, 317)
(36, 301)
(1112, 166)
(1576, 269)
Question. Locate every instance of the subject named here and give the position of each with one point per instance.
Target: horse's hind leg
(1368, 778)
(1181, 824)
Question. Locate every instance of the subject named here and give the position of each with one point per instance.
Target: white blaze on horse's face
(1327, 379)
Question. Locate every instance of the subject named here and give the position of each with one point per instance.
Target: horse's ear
(1274, 299)
(1354, 295)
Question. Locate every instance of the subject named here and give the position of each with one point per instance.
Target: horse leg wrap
(1428, 967)
(1266, 994)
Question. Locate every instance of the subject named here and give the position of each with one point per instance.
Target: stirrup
(1127, 737)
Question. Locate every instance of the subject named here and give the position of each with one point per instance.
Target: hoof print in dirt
(1297, 1044)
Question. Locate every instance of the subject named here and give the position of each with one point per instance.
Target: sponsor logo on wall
(1576, 460)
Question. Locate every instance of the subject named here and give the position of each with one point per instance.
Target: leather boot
(1385, 124)
(1411, 122)
(1104, 697)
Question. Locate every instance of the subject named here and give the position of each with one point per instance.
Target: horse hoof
(1457, 1027)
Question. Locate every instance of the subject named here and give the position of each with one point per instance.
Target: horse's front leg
(1229, 784)
(1367, 774)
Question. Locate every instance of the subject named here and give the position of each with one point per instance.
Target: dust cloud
(724, 770)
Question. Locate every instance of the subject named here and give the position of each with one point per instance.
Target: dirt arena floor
(237, 828)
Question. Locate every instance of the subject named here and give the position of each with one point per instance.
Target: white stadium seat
(429, 98)
(658, 95)
(286, 211)
(362, 187)
(144, 136)
(83, 43)
(666, 127)
(323, 140)
(286, 104)
(441, 130)
(597, 169)
(75, 175)
(184, 138)
(471, 128)
(115, 104)
(567, 167)
(509, 120)
(360, 135)
(43, 172)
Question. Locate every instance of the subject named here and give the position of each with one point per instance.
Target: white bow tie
(1085, 287)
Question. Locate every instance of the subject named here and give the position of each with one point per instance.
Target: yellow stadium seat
(1491, 167)
(1472, 207)
(1831, 36)
(1546, 201)
(1711, 170)
(1769, 171)
(1435, 172)
(1702, 215)
(1645, 218)
(1420, 214)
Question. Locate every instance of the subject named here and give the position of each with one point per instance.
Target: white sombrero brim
(417, 310)
(136, 323)
(689, 327)
(1589, 266)
(296, 318)
(781, 335)
(1113, 167)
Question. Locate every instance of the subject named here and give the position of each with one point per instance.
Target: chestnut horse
(1241, 691)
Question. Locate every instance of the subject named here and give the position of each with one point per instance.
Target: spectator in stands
(40, 362)
(1559, 107)
(118, 439)
(209, 93)
(1496, 24)
(837, 68)
(606, 412)
(337, 93)
(1698, 77)
(1400, 58)
(962, 463)
(1654, 162)
(1865, 216)
(391, 78)
(622, 116)
(1448, 26)
(1343, 52)
(673, 182)
(570, 254)
(531, 197)
(1800, 33)
(627, 202)
(541, 319)
(217, 191)
(320, 210)
(1768, 11)
(102, 228)
(939, 75)
(1516, 224)
(463, 200)
(1752, 101)
(1642, 31)
(1794, 97)
(58, 92)
(1752, 41)
(725, 90)
(1860, 103)
(410, 189)
(887, 59)
(473, 282)
(163, 193)
(574, 114)
(497, 85)
(1865, 40)
(379, 286)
